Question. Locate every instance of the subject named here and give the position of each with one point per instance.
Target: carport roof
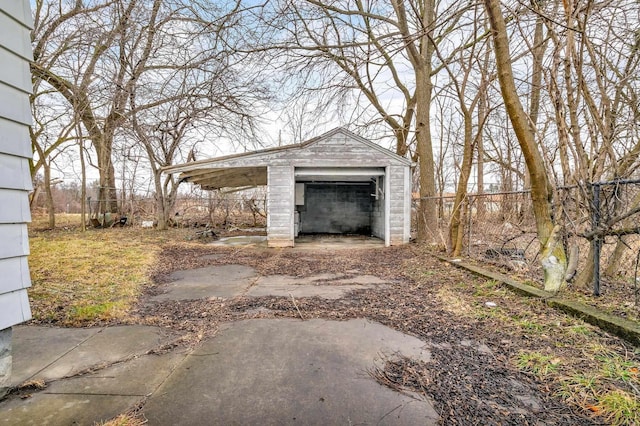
(225, 171)
(231, 177)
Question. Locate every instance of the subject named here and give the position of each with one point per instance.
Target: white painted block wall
(280, 206)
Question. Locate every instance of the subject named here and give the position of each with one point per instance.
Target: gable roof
(262, 152)
(250, 168)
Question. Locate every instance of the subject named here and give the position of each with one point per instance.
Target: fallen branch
(296, 306)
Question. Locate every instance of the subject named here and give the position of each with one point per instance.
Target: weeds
(579, 388)
(617, 368)
(580, 330)
(536, 363)
(608, 388)
(530, 326)
(620, 408)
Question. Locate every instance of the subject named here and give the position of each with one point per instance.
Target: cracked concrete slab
(137, 377)
(35, 348)
(40, 352)
(365, 280)
(227, 281)
(279, 371)
(328, 286)
(285, 371)
(128, 376)
(224, 281)
(53, 410)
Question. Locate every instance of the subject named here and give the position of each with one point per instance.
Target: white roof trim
(340, 171)
(194, 165)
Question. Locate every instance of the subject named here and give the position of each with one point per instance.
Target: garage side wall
(398, 218)
(280, 206)
(377, 215)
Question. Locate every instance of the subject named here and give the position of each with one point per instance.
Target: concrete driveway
(285, 372)
(259, 371)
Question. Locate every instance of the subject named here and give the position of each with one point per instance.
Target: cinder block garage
(336, 183)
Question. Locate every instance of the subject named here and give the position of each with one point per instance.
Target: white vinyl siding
(15, 150)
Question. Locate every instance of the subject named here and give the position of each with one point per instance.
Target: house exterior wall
(15, 178)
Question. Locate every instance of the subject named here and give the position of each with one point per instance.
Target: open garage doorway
(339, 202)
(336, 208)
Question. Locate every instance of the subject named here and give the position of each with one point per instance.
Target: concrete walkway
(277, 371)
(91, 374)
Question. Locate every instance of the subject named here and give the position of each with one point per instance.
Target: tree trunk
(427, 212)
(161, 207)
(49, 195)
(83, 184)
(615, 260)
(552, 254)
(480, 210)
(456, 229)
(584, 279)
(107, 192)
(539, 47)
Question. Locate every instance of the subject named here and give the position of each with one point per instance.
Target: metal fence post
(597, 242)
(470, 213)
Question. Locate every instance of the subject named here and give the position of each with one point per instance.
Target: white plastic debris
(490, 304)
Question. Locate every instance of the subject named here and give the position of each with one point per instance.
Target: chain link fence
(601, 221)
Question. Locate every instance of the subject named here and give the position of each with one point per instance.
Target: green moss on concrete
(628, 330)
(621, 327)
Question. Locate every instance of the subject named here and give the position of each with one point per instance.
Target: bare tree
(593, 85)
(104, 56)
(379, 50)
(204, 94)
(469, 82)
(50, 135)
(71, 48)
(552, 253)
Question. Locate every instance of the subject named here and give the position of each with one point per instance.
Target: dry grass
(64, 221)
(579, 362)
(82, 278)
(37, 384)
(124, 420)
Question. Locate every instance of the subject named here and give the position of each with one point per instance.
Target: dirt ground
(497, 359)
